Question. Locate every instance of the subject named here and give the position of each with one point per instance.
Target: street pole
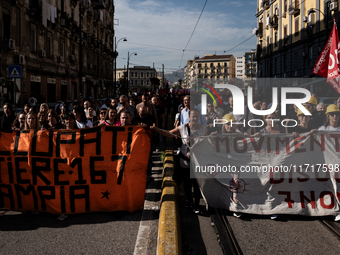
(116, 55)
(127, 75)
(80, 74)
(115, 76)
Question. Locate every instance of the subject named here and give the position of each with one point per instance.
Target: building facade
(140, 78)
(240, 67)
(291, 35)
(46, 40)
(250, 67)
(212, 68)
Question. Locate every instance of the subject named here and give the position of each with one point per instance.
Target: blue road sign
(14, 72)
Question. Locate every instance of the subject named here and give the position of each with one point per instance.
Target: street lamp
(116, 55)
(128, 78)
(313, 10)
(98, 5)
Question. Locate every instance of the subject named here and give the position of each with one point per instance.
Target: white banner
(273, 174)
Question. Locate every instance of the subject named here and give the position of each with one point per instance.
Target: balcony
(294, 8)
(274, 21)
(259, 31)
(265, 4)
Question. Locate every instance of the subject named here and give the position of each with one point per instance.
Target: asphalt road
(289, 235)
(92, 233)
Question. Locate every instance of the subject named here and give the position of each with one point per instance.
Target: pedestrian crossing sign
(14, 71)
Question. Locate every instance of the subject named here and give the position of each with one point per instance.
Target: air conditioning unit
(333, 6)
(42, 53)
(19, 59)
(305, 19)
(11, 44)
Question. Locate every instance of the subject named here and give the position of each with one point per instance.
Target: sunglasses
(102, 112)
(334, 114)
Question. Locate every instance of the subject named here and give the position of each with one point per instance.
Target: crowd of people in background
(150, 111)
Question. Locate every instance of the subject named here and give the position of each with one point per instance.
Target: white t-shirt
(329, 128)
(82, 124)
(183, 130)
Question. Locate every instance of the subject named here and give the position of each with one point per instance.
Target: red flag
(328, 62)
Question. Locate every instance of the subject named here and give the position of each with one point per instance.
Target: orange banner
(74, 171)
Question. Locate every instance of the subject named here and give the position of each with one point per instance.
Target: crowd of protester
(149, 111)
(189, 122)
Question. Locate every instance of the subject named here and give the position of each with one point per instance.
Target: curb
(169, 233)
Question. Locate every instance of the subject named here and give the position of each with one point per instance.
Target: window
(136, 75)
(327, 11)
(310, 56)
(296, 62)
(49, 46)
(285, 6)
(211, 65)
(285, 63)
(33, 38)
(284, 31)
(73, 49)
(268, 45)
(296, 26)
(141, 74)
(62, 48)
(275, 39)
(147, 74)
(141, 82)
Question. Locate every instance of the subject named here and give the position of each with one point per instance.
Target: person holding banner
(53, 121)
(332, 119)
(64, 113)
(110, 117)
(42, 118)
(272, 126)
(102, 113)
(19, 122)
(317, 118)
(80, 116)
(31, 122)
(303, 125)
(185, 131)
(125, 118)
(70, 121)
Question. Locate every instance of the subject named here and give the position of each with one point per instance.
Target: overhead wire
(192, 33)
